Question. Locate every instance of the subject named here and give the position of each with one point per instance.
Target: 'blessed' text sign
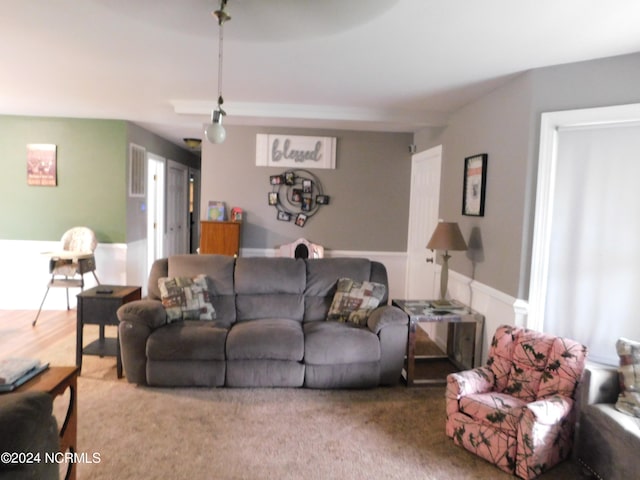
(295, 151)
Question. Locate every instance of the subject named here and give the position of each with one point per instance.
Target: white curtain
(594, 263)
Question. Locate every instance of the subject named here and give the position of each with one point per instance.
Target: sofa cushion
(186, 298)
(355, 300)
(629, 373)
(329, 343)
(189, 340)
(322, 274)
(268, 339)
(269, 288)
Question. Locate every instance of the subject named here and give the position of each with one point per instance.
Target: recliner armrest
(550, 410)
(149, 313)
(468, 382)
(386, 315)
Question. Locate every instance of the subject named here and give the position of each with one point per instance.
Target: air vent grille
(137, 177)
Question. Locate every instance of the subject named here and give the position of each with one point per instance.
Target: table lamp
(446, 236)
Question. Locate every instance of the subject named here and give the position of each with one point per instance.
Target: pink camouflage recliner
(518, 412)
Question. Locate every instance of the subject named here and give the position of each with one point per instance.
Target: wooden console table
(457, 317)
(98, 306)
(55, 381)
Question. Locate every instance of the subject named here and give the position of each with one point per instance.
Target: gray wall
(369, 190)
(505, 124)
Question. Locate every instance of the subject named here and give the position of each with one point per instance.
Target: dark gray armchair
(27, 426)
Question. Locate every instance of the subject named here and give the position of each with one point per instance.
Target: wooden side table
(98, 306)
(420, 311)
(55, 381)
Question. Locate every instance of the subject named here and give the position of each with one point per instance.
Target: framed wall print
(475, 185)
(42, 164)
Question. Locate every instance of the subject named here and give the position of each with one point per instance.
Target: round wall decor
(297, 195)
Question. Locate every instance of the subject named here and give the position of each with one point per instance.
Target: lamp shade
(447, 236)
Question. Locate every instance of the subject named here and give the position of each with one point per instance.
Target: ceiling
(390, 65)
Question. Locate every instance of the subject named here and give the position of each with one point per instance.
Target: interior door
(177, 209)
(423, 218)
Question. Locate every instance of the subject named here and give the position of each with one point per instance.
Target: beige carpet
(152, 433)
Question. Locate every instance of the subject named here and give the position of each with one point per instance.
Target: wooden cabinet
(220, 237)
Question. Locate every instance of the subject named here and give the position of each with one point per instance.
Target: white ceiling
(393, 65)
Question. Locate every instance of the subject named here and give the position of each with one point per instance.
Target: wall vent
(137, 168)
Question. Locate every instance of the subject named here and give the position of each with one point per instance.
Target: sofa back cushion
(269, 288)
(218, 270)
(322, 279)
(530, 365)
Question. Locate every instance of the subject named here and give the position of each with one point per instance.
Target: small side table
(420, 311)
(55, 381)
(98, 306)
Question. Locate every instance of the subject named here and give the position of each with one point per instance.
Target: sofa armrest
(137, 320)
(599, 384)
(149, 313)
(384, 316)
(390, 325)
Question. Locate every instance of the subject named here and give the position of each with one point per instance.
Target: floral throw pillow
(629, 373)
(186, 298)
(354, 301)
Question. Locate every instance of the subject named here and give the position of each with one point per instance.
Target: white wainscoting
(25, 274)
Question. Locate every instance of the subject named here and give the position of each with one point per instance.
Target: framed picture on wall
(475, 185)
(42, 165)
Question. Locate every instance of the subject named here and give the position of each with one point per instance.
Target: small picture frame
(475, 185)
(289, 177)
(275, 179)
(306, 204)
(284, 216)
(307, 186)
(296, 195)
(301, 219)
(273, 198)
(322, 199)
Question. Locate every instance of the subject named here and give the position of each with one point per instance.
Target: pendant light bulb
(215, 132)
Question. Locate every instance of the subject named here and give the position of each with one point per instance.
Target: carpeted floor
(153, 433)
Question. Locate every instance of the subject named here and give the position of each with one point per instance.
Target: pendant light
(215, 132)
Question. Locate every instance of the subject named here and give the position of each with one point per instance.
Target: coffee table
(55, 381)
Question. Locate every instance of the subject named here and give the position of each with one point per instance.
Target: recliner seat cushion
(331, 343)
(188, 340)
(269, 339)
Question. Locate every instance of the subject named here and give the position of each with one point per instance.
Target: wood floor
(18, 338)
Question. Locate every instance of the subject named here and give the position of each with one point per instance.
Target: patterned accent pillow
(186, 298)
(354, 301)
(629, 374)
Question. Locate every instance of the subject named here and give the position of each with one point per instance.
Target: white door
(177, 209)
(155, 208)
(423, 218)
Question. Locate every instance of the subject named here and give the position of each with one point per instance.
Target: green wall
(91, 190)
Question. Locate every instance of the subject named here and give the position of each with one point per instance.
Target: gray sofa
(270, 328)
(608, 440)
(27, 426)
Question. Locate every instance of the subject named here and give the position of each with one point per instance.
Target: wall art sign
(295, 151)
(475, 185)
(41, 164)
